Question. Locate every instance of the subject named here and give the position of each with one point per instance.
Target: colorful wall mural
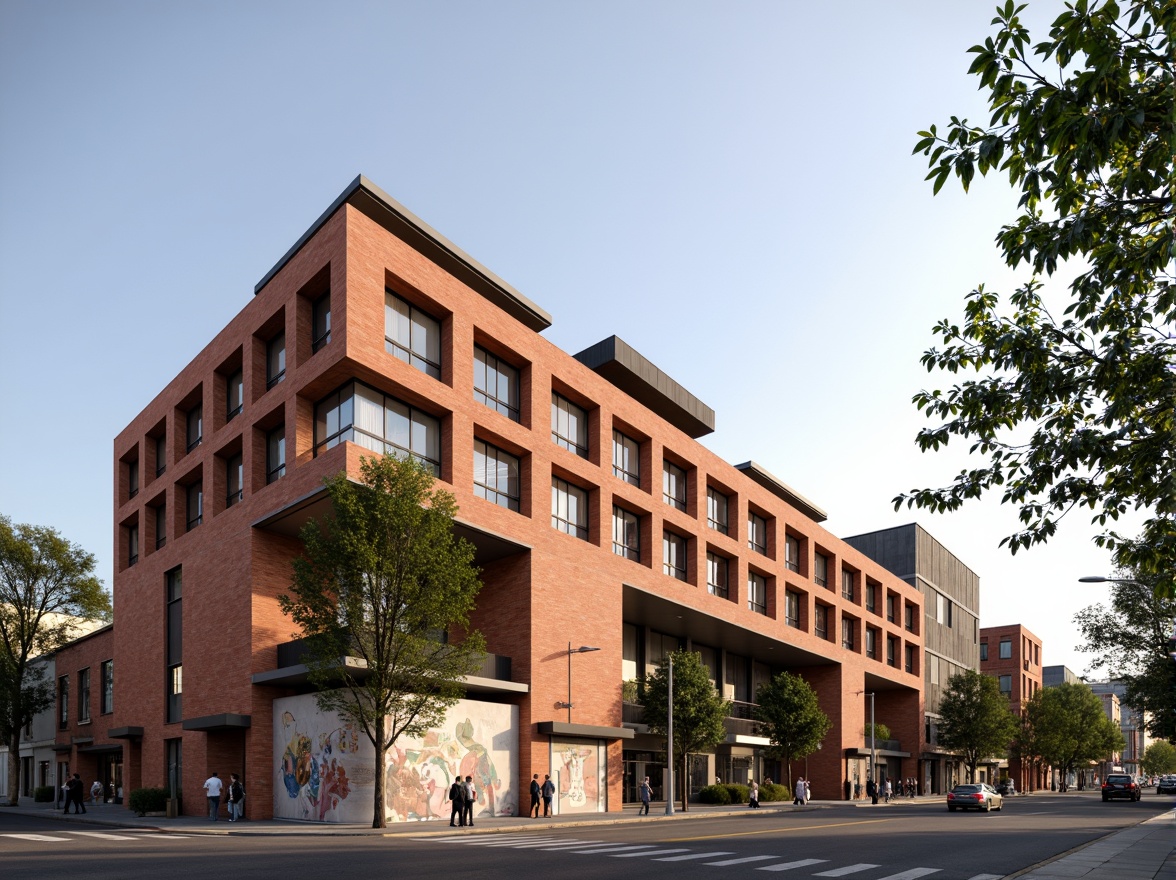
(325, 770)
(581, 768)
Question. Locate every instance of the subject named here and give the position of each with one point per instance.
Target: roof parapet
(782, 490)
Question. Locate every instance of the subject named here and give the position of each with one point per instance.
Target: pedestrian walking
(236, 798)
(808, 790)
(212, 788)
(753, 796)
(872, 790)
(799, 792)
(548, 793)
(646, 796)
(471, 795)
(457, 804)
(887, 790)
(536, 795)
(73, 794)
(96, 792)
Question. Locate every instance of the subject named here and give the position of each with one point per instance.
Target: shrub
(43, 794)
(737, 793)
(148, 800)
(715, 794)
(771, 791)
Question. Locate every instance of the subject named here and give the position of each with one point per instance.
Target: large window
(569, 508)
(942, 609)
(234, 395)
(847, 585)
(234, 479)
(674, 555)
(132, 545)
(892, 651)
(626, 534)
(716, 575)
(792, 553)
(320, 333)
(107, 687)
(275, 454)
(673, 485)
(821, 621)
(160, 525)
(569, 425)
(757, 533)
(195, 505)
(63, 702)
(871, 643)
(626, 458)
(757, 593)
(275, 360)
(716, 510)
(496, 384)
(792, 608)
(84, 696)
(848, 633)
(132, 478)
(377, 422)
(983, 651)
(872, 598)
(496, 475)
(909, 616)
(174, 594)
(195, 426)
(821, 570)
(1006, 649)
(910, 664)
(412, 335)
(160, 454)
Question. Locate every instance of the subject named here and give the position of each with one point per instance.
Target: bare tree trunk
(684, 782)
(379, 812)
(14, 769)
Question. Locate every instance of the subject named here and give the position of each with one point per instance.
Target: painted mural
(325, 768)
(581, 768)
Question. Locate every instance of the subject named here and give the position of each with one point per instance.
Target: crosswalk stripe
(912, 874)
(611, 848)
(694, 856)
(742, 861)
(986, 877)
(849, 869)
(42, 838)
(789, 866)
(102, 835)
(656, 852)
(518, 844)
(565, 844)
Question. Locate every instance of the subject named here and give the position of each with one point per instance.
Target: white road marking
(611, 848)
(912, 874)
(695, 856)
(849, 869)
(517, 843)
(102, 835)
(741, 861)
(44, 838)
(986, 877)
(565, 844)
(656, 852)
(789, 866)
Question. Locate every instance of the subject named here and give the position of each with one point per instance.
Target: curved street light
(583, 649)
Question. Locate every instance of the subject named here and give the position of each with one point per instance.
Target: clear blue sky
(727, 186)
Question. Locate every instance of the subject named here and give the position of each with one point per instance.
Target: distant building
(951, 605)
(1052, 676)
(1131, 721)
(1012, 655)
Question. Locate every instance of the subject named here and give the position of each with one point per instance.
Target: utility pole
(670, 743)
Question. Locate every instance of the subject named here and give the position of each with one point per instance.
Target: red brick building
(1012, 655)
(599, 520)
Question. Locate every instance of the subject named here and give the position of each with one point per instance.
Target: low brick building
(1012, 655)
(598, 518)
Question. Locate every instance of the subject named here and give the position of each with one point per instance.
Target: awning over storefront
(590, 731)
(125, 733)
(213, 723)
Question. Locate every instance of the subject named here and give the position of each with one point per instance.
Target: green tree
(383, 579)
(881, 731)
(1067, 728)
(698, 710)
(47, 588)
(975, 720)
(790, 717)
(1158, 759)
(1129, 639)
(1071, 406)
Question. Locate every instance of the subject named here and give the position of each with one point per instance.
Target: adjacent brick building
(598, 517)
(1012, 655)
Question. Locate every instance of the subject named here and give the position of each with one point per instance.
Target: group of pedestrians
(234, 797)
(462, 795)
(72, 789)
(544, 793)
(802, 792)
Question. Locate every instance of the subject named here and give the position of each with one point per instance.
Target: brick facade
(1020, 676)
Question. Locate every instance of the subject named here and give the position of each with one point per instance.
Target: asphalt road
(842, 841)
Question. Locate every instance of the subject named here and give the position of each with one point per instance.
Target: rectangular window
(174, 755)
(195, 505)
(872, 598)
(375, 421)
(496, 475)
(626, 458)
(132, 545)
(892, 651)
(569, 508)
(160, 526)
(174, 649)
(160, 455)
(674, 555)
(890, 607)
(716, 575)
(871, 643)
(107, 687)
(412, 335)
(626, 534)
(673, 485)
(983, 651)
(1006, 649)
(909, 616)
(234, 479)
(133, 478)
(275, 361)
(942, 609)
(234, 395)
(847, 585)
(320, 333)
(496, 384)
(275, 454)
(757, 593)
(716, 510)
(1006, 685)
(848, 626)
(84, 696)
(757, 534)
(195, 426)
(569, 425)
(910, 658)
(792, 553)
(821, 621)
(792, 609)
(933, 670)
(821, 570)
(63, 702)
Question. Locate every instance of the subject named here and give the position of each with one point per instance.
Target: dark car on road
(1121, 785)
(1166, 784)
(980, 796)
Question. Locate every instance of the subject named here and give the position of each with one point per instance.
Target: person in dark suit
(535, 796)
(75, 795)
(457, 804)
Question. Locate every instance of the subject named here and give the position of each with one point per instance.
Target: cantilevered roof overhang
(782, 491)
(297, 676)
(373, 202)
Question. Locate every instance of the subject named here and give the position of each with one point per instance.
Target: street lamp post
(583, 649)
(670, 741)
(873, 744)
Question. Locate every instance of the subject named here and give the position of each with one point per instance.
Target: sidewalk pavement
(1146, 851)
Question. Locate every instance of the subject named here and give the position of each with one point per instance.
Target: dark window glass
(757, 534)
(847, 585)
(821, 570)
(909, 616)
(234, 478)
(872, 598)
(132, 545)
(984, 650)
(377, 422)
(412, 335)
(674, 555)
(275, 360)
(872, 643)
(792, 553)
(716, 510)
(757, 593)
(63, 702)
(133, 478)
(569, 425)
(848, 633)
(716, 575)
(496, 475)
(673, 485)
(626, 534)
(174, 749)
(275, 454)
(1006, 649)
(84, 696)
(626, 458)
(321, 321)
(569, 508)
(910, 658)
(496, 384)
(174, 649)
(160, 526)
(792, 609)
(821, 621)
(195, 506)
(195, 426)
(160, 455)
(234, 395)
(890, 607)
(107, 687)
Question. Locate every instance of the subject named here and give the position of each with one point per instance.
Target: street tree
(1070, 394)
(48, 594)
(1129, 638)
(975, 720)
(1066, 727)
(1158, 759)
(384, 579)
(698, 710)
(790, 717)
